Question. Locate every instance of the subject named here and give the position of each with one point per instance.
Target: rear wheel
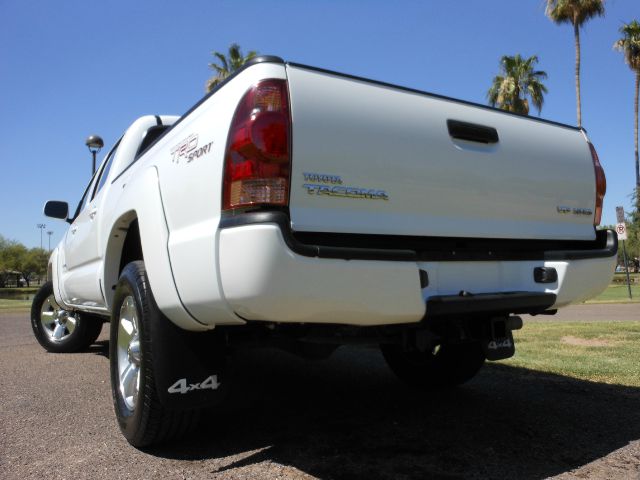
(141, 416)
(443, 366)
(59, 330)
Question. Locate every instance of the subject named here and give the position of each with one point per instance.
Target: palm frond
(517, 82)
(629, 44)
(223, 60)
(575, 12)
(227, 64)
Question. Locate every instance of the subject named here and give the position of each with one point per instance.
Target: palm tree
(575, 12)
(629, 44)
(228, 64)
(517, 82)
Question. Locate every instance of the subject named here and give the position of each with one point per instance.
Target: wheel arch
(140, 232)
(53, 275)
(123, 246)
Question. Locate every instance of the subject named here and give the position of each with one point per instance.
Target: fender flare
(52, 274)
(141, 199)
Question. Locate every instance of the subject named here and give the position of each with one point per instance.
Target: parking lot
(345, 418)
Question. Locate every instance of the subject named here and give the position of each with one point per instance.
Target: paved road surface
(346, 418)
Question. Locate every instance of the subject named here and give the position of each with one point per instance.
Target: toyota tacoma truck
(306, 209)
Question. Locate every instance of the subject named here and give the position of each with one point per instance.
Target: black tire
(148, 422)
(59, 330)
(445, 366)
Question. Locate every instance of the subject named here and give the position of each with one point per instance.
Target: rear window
(151, 136)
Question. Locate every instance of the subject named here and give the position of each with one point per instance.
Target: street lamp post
(49, 233)
(94, 143)
(41, 226)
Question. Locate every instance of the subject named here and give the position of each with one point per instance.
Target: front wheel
(59, 330)
(442, 366)
(142, 417)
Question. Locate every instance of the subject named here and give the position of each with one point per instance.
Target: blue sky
(72, 68)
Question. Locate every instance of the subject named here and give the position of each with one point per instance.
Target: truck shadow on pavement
(349, 418)
(101, 347)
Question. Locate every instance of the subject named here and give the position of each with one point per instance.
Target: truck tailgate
(371, 158)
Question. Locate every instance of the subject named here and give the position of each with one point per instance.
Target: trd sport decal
(188, 149)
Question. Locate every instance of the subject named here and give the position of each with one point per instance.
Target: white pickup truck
(305, 209)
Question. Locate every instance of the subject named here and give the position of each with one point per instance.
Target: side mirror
(56, 209)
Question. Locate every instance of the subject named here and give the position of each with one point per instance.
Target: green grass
(624, 275)
(22, 305)
(19, 290)
(605, 352)
(617, 293)
(621, 278)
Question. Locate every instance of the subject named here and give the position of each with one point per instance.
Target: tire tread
(158, 423)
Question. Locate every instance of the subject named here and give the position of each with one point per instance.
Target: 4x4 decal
(181, 386)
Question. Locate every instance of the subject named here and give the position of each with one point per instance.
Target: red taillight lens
(257, 160)
(601, 185)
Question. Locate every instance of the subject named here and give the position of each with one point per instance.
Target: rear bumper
(269, 275)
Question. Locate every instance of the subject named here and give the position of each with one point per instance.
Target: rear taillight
(601, 185)
(257, 159)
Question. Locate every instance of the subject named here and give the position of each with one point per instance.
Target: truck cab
(79, 259)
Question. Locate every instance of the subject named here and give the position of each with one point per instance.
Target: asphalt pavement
(344, 418)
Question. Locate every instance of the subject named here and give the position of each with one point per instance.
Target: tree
(629, 45)
(4, 259)
(518, 82)
(228, 64)
(632, 243)
(3, 245)
(633, 231)
(15, 257)
(35, 263)
(575, 12)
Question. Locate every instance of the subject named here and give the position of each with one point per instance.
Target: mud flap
(498, 342)
(190, 368)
